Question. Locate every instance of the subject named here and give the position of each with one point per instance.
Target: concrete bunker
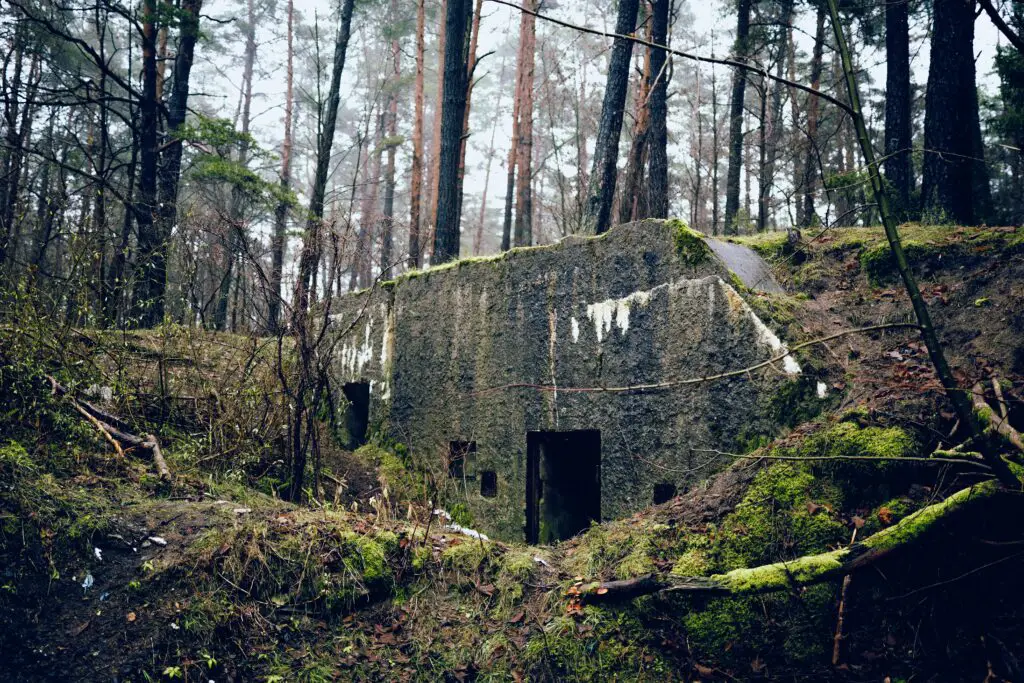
(563, 483)
(598, 339)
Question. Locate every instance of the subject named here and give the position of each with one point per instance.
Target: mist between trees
(213, 163)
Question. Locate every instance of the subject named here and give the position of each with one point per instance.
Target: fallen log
(802, 571)
(117, 435)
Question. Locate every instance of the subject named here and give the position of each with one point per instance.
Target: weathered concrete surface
(568, 325)
(747, 265)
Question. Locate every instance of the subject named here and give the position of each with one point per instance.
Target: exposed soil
(241, 586)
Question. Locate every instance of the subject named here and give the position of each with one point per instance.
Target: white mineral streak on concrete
(387, 351)
(575, 324)
(602, 314)
(355, 357)
(764, 335)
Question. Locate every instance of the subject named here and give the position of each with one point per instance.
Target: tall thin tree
(606, 151)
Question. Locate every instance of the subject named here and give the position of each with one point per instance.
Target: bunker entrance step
(563, 483)
(357, 415)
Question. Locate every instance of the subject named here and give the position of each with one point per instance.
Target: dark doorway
(357, 415)
(664, 492)
(563, 483)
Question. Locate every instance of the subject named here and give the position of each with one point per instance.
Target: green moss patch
(690, 245)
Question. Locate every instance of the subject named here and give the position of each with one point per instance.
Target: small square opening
(488, 484)
(664, 492)
(461, 459)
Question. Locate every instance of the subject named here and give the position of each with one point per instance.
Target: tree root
(803, 571)
(115, 430)
(991, 422)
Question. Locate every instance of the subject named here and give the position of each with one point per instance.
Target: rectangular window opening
(461, 459)
(357, 413)
(563, 483)
(488, 484)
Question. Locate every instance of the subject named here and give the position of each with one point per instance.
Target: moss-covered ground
(108, 574)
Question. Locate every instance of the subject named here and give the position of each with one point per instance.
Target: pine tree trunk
(775, 121)
(154, 280)
(606, 150)
(387, 217)
(513, 152)
(325, 141)
(149, 289)
(478, 239)
(631, 203)
(811, 159)
(470, 82)
(524, 148)
(416, 190)
(277, 245)
(446, 232)
(899, 167)
(435, 155)
(739, 84)
(369, 216)
(947, 178)
(715, 159)
(657, 182)
(236, 236)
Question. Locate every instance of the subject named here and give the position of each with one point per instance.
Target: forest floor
(110, 574)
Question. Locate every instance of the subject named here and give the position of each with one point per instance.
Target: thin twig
(668, 384)
(764, 73)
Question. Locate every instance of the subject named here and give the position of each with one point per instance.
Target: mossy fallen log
(802, 571)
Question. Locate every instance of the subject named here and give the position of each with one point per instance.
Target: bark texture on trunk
(606, 151)
(277, 244)
(657, 183)
(899, 167)
(524, 148)
(446, 232)
(416, 190)
(947, 179)
(739, 85)
(812, 157)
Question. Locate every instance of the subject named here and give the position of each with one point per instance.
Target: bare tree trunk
(310, 255)
(899, 165)
(606, 150)
(631, 204)
(368, 217)
(478, 239)
(947, 180)
(517, 98)
(457, 26)
(235, 238)
(811, 160)
(281, 210)
(739, 84)
(524, 149)
(416, 190)
(149, 290)
(470, 83)
(657, 182)
(715, 160)
(435, 155)
(388, 214)
(775, 113)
